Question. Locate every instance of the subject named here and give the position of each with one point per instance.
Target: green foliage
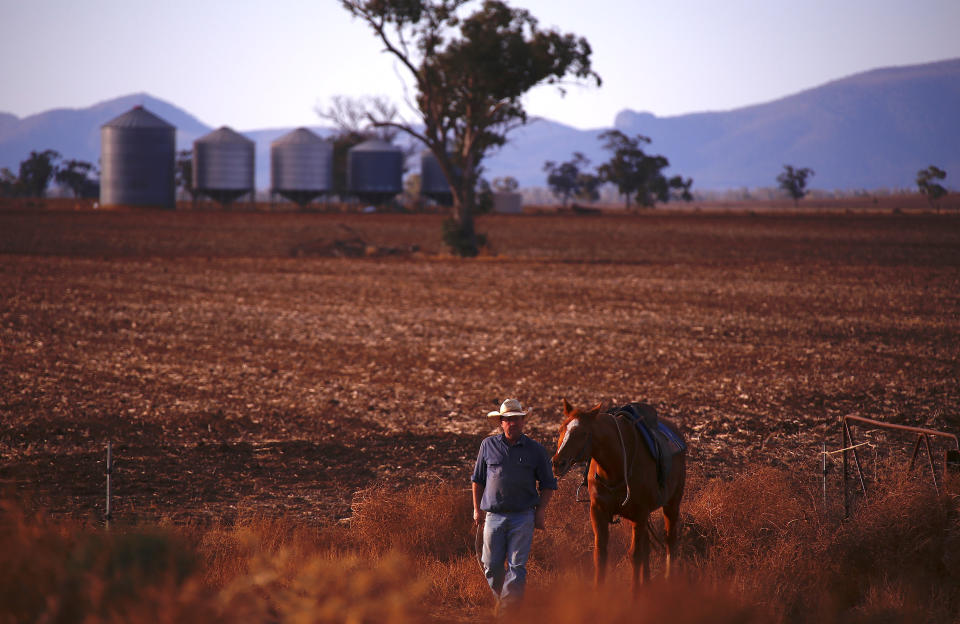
(75, 174)
(37, 171)
(470, 74)
(506, 184)
(567, 180)
(637, 174)
(9, 183)
(342, 143)
(794, 181)
(680, 188)
(483, 200)
(926, 182)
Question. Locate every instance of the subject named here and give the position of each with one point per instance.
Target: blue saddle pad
(641, 416)
(632, 413)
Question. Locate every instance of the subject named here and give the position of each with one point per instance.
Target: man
(512, 485)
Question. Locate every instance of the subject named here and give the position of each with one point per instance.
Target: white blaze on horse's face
(573, 424)
(562, 464)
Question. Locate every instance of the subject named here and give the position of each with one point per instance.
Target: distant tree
(567, 179)
(37, 171)
(342, 143)
(507, 184)
(680, 188)
(636, 174)
(75, 175)
(352, 115)
(9, 183)
(794, 182)
(470, 74)
(926, 182)
(183, 173)
(351, 118)
(588, 187)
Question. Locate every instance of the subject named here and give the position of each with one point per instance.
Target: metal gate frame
(923, 436)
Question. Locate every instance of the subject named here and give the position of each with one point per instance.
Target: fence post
(109, 473)
(823, 458)
(843, 445)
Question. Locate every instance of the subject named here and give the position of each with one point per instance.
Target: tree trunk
(463, 216)
(462, 237)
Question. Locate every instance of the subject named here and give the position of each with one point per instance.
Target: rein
(626, 478)
(626, 473)
(585, 458)
(586, 466)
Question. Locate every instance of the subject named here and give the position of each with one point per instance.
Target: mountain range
(872, 130)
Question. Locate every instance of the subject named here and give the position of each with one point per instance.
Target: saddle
(661, 441)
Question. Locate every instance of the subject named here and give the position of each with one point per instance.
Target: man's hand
(478, 514)
(540, 514)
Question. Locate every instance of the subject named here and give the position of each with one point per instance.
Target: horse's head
(576, 434)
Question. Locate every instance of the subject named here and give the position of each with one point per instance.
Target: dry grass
(757, 549)
(258, 392)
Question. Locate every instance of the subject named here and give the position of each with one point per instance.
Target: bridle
(584, 457)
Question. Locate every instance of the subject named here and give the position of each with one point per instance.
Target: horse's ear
(567, 408)
(597, 408)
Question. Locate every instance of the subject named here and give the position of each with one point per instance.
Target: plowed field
(277, 363)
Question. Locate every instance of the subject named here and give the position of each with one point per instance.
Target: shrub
(425, 521)
(755, 549)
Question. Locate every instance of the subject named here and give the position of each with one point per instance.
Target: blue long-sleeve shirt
(510, 474)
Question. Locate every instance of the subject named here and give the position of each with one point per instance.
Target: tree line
(637, 175)
(37, 171)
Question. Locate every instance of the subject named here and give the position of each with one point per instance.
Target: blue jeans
(506, 539)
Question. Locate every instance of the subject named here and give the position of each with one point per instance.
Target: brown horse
(622, 481)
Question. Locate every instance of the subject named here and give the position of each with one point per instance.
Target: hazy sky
(260, 64)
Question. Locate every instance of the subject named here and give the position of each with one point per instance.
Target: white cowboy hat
(510, 407)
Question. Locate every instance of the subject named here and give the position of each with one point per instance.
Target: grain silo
(375, 170)
(223, 165)
(137, 156)
(301, 166)
(433, 183)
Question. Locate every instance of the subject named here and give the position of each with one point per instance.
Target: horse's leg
(671, 514)
(640, 553)
(671, 525)
(601, 535)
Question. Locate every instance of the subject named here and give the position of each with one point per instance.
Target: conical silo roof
(223, 135)
(300, 135)
(137, 117)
